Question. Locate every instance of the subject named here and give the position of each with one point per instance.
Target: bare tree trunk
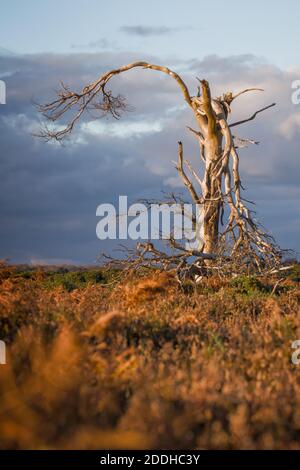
(211, 226)
(211, 153)
(211, 202)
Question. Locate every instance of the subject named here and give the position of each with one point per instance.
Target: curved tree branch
(86, 99)
(229, 97)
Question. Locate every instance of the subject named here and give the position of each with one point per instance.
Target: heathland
(96, 361)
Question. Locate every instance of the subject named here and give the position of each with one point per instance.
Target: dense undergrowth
(146, 363)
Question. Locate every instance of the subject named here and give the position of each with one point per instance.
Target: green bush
(77, 279)
(249, 285)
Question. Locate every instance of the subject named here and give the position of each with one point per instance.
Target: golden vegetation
(147, 364)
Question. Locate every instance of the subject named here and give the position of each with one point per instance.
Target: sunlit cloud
(121, 130)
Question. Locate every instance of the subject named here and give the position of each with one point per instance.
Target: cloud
(5, 52)
(147, 31)
(121, 130)
(99, 44)
(290, 126)
(49, 193)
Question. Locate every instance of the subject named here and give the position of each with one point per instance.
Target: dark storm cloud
(49, 193)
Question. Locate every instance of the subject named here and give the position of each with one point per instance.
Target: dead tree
(220, 185)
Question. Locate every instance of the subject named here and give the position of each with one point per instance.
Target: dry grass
(145, 364)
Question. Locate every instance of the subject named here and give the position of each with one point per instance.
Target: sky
(49, 194)
(194, 28)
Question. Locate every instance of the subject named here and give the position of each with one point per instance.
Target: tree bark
(212, 203)
(211, 147)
